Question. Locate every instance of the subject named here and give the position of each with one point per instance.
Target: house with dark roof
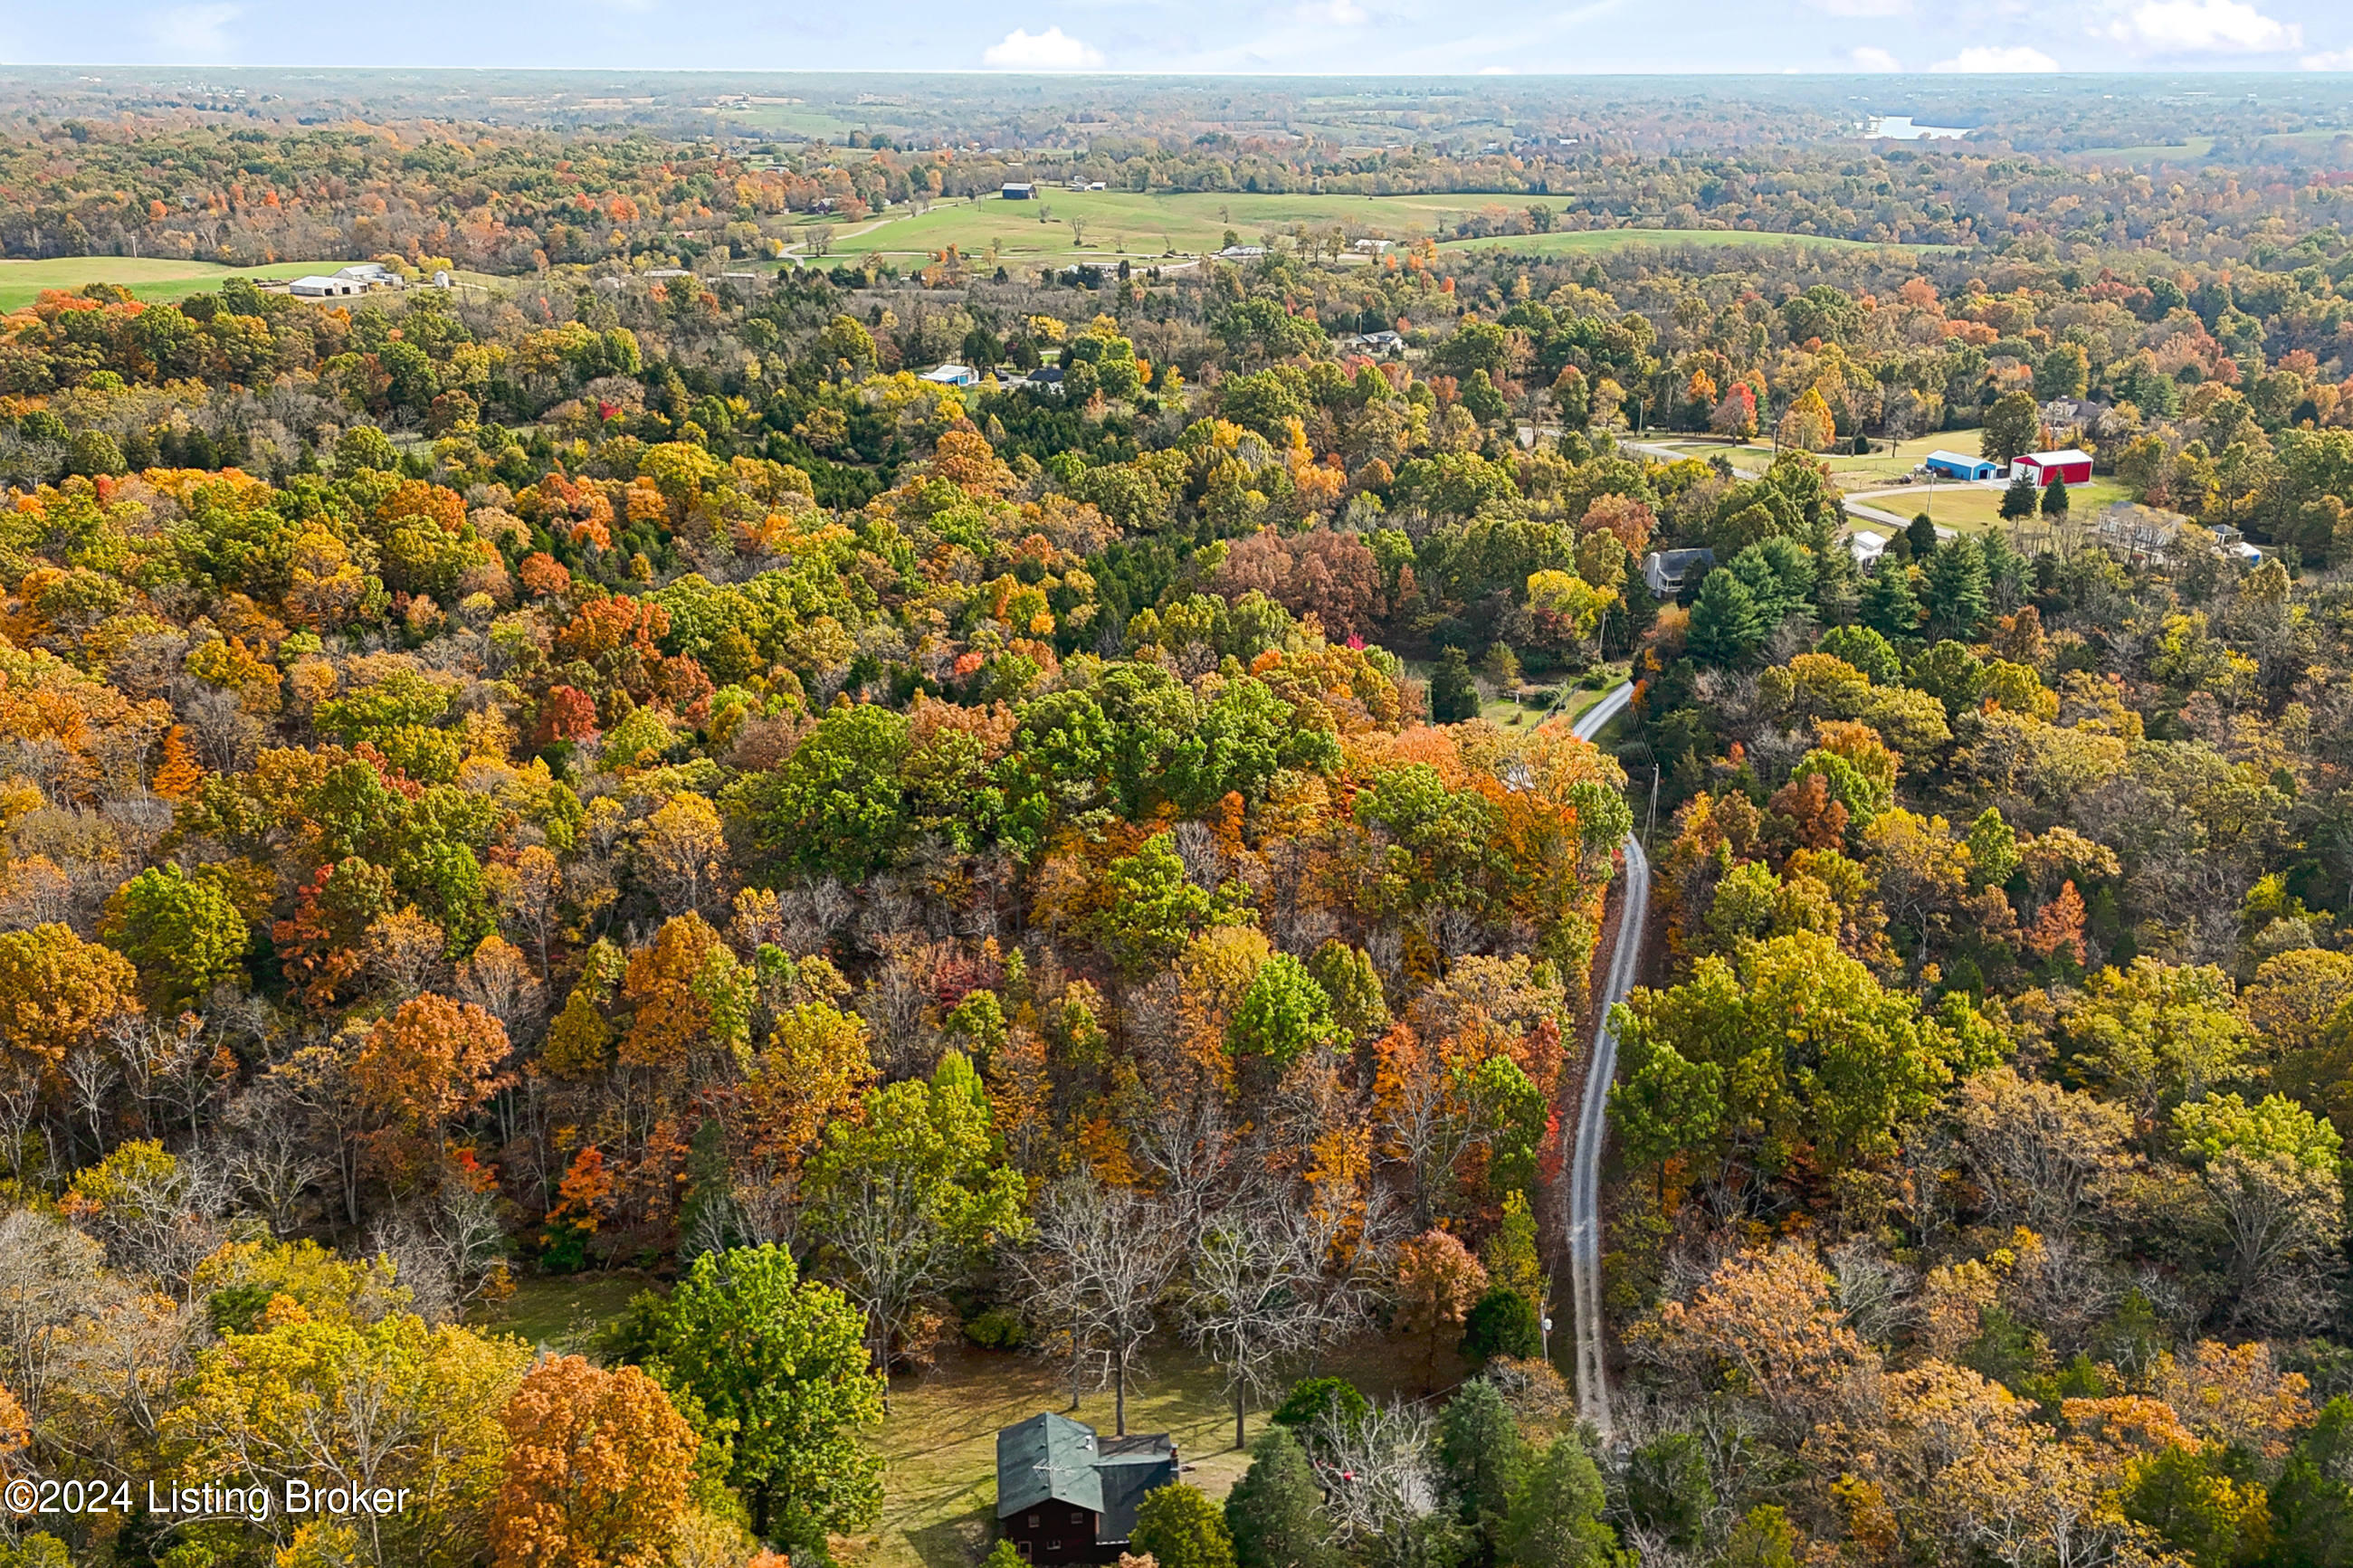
(1066, 1495)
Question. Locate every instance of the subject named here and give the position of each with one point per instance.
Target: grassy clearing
(939, 1441)
(1142, 225)
(148, 279)
(1853, 472)
(564, 1312)
(2158, 152)
(1972, 509)
(939, 1503)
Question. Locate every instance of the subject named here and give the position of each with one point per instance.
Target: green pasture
(1093, 224)
(147, 277)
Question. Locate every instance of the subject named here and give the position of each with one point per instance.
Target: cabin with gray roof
(1066, 1495)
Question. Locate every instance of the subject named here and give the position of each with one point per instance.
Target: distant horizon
(1302, 38)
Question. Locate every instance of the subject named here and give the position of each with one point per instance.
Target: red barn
(2070, 465)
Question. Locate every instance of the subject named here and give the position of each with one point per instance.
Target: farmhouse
(1957, 466)
(1065, 1495)
(2067, 464)
(1667, 571)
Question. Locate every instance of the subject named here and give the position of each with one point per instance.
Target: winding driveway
(1593, 1116)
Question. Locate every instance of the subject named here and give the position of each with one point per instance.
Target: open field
(1852, 472)
(1972, 509)
(562, 1311)
(1141, 226)
(149, 279)
(939, 1441)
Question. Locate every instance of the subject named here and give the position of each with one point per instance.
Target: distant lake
(1900, 128)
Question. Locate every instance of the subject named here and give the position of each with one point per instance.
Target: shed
(951, 375)
(1960, 466)
(1017, 191)
(2067, 464)
(325, 288)
(1065, 1495)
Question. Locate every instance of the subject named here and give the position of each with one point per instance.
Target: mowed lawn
(149, 279)
(939, 1502)
(939, 1441)
(1142, 226)
(1971, 508)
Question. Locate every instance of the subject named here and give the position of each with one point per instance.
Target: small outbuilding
(1018, 190)
(1065, 1495)
(1960, 466)
(951, 375)
(2067, 464)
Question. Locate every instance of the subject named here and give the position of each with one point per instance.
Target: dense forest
(611, 773)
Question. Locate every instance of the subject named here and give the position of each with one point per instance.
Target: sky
(1419, 38)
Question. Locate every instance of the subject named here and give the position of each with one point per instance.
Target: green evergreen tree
(1453, 696)
(1504, 1323)
(1726, 627)
(1889, 607)
(2054, 499)
(1920, 535)
(1485, 1458)
(2018, 502)
(1555, 1520)
(1274, 1514)
(1954, 587)
(1668, 1488)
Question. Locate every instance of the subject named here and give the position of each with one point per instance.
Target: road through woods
(1593, 1116)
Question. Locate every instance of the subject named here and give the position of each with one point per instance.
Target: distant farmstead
(1960, 466)
(2044, 468)
(1066, 1495)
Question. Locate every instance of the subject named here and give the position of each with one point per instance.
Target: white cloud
(1051, 50)
(2017, 59)
(1334, 14)
(1864, 7)
(1867, 58)
(194, 32)
(2204, 26)
(2335, 60)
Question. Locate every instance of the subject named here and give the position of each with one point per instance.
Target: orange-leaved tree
(597, 1469)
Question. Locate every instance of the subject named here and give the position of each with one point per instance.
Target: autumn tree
(778, 1369)
(184, 933)
(596, 1472)
(1437, 1282)
(429, 1066)
(905, 1198)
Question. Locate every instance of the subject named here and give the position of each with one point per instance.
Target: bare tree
(1257, 1297)
(91, 1075)
(1380, 1482)
(1103, 1257)
(269, 1152)
(50, 1281)
(447, 1249)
